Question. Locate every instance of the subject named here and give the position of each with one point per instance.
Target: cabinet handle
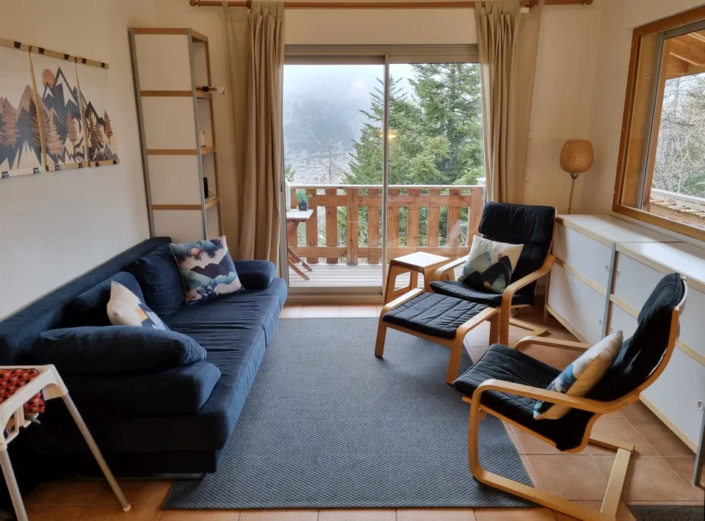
(607, 267)
(618, 273)
(600, 322)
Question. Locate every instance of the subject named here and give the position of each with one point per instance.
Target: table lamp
(576, 158)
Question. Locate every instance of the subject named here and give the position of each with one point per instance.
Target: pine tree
(107, 126)
(96, 138)
(36, 134)
(8, 133)
(54, 144)
(71, 130)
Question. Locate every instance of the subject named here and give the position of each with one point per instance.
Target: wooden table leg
(394, 271)
(298, 270)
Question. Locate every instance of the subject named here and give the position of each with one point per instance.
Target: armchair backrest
(531, 226)
(645, 355)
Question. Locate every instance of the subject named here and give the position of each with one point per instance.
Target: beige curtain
(508, 43)
(256, 54)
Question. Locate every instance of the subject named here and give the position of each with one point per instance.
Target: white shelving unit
(171, 66)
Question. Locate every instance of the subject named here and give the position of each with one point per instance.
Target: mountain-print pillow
(126, 309)
(490, 264)
(206, 269)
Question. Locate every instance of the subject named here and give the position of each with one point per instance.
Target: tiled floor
(660, 470)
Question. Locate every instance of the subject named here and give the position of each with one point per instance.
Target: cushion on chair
(434, 314)
(490, 265)
(531, 226)
(457, 289)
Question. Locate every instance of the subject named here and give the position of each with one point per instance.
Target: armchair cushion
(457, 289)
(507, 364)
(490, 265)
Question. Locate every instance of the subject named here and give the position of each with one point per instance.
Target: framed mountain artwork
(20, 135)
(60, 114)
(94, 88)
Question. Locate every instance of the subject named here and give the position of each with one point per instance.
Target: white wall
(57, 226)
(619, 18)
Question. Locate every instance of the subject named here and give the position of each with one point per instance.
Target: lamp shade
(576, 156)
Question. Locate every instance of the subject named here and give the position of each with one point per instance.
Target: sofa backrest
(19, 331)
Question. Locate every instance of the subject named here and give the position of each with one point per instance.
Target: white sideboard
(605, 270)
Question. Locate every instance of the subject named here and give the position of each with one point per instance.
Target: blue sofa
(176, 421)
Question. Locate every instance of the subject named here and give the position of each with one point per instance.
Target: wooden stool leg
(12, 487)
(391, 283)
(381, 336)
(456, 353)
(96, 452)
(413, 280)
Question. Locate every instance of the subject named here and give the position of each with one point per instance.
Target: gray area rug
(667, 513)
(329, 425)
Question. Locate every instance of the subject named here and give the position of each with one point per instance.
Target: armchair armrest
(575, 402)
(400, 300)
(441, 272)
(255, 274)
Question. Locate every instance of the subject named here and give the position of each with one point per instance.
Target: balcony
(341, 242)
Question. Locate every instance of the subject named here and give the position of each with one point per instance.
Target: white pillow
(581, 377)
(126, 309)
(490, 264)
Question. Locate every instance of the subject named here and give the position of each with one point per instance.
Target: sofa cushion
(90, 307)
(180, 390)
(158, 276)
(255, 274)
(127, 309)
(115, 349)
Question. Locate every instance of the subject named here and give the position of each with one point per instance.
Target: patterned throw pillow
(126, 309)
(490, 264)
(206, 269)
(581, 377)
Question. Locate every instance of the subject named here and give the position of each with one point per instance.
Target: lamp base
(572, 187)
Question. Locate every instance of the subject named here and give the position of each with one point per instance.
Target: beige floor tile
(53, 513)
(621, 431)
(623, 514)
(661, 438)
(291, 312)
(532, 445)
(76, 493)
(649, 479)
(570, 476)
(514, 514)
(200, 515)
(439, 514)
(638, 411)
(478, 337)
(137, 492)
(114, 513)
(530, 471)
(361, 310)
(476, 352)
(683, 466)
(320, 311)
(357, 515)
(278, 515)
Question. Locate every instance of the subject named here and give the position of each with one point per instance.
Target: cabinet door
(634, 281)
(586, 255)
(677, 391)
(578, 304)
(693, 321)
(620, 319)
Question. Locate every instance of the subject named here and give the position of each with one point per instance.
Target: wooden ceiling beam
(379, 5)
(689, 50)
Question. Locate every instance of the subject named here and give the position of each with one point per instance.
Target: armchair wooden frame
(455, 344)
(615, 487)
(446, 272)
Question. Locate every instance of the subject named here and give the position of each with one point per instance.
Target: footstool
(413, 264)
(439, 318)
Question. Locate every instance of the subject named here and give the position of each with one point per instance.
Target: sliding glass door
(364, 125)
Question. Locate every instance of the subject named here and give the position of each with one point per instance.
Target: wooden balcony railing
(340, 211)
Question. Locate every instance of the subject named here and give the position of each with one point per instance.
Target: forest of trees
(680, 156)
(435, 139)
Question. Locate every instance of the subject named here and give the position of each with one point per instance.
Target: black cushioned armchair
(531, 226)
(507, 383)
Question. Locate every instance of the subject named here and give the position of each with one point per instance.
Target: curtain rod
(380, 5)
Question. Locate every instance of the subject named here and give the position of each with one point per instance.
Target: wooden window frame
(624, 176)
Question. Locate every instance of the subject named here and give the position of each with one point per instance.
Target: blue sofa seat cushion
(180, 390)
(255, 274)
(90, 307)
(158, 276)
(115, 350)
(434, 314)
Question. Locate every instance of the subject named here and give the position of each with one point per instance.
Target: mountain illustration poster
(100, 128)
(20, 137)
(61, 113)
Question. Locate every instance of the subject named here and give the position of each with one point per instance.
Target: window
(661, 177)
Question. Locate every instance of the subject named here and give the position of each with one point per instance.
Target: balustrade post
(292, 238)
(353, 235)
(373, 226)
(413, 220)
(474, 213)
(434, 220)
(453, 222)
(312, 228)
(393, 223)
(331, 226)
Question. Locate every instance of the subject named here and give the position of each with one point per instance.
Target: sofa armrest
(255, 274)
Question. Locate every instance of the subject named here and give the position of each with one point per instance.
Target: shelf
(203, 95)
(212, 201)
(198, 37)
(207, 150)
(179, 151)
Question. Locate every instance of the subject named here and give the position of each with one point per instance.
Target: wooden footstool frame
(456, 344)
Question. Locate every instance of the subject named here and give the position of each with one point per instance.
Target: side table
(414, 263)
(49, 382)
